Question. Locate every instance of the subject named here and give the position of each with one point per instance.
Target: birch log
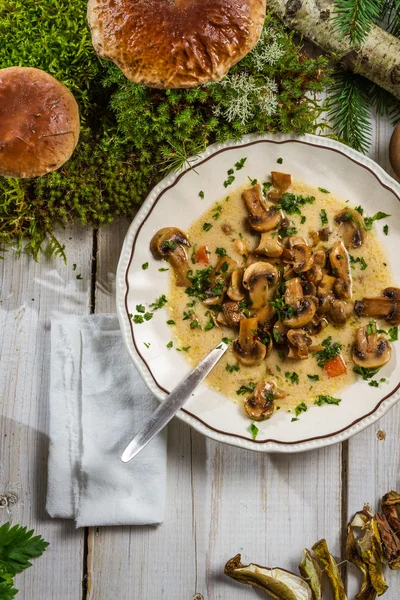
(377, 58)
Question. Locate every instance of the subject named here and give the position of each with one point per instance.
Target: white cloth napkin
(98, 401)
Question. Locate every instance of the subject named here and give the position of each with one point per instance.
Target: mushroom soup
(295, 279)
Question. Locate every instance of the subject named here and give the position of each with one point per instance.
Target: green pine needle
(350, 110)
(353, 18)
(390, 16)
(17, 547)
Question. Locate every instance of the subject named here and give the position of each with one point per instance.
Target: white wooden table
(221, 500)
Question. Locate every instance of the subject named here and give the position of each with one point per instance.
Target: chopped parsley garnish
(324, 191)
(293, 419)
(230, 179)
(216, 211)
(281, 354)
(292, 377)
(138, 319)
(170, 322)
(220, 251)
(232, 368)
(323, 217)
(79, 276)
(146, 344)
(386, 229)
(252, 181)
(278, 368)
(195, 324)
(159, 303)
(283, 310)
(369, 221)
(313, 377)
(303, 219)
(359, 209)
(371, 327)
(183, 349)
(246, 389)
(169, 345)
(163, 269)
(266, 186)
(302, 407)
(331, 350)
(287, 232)
(322, 399)
(365, 372)
(291, 203)
(148, 316)
(226, 340)
(373, 383)
(140, 308)
(210, 324)
(170, 245)
(74, 267)
(187, 314)
(393, 334)
(145, 266)
(361, 260)
(207, 226)
(240, 163)
(201, 281)
(201, 194)
(254, 431)
(280, 161)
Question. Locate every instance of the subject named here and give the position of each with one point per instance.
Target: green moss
(132, 134)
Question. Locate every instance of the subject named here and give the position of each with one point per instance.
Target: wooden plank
(373, 464)
(30, 292)
(144, 563)
(266, 507)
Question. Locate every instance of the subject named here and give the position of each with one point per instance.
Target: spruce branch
(350, 110)
(354, 18)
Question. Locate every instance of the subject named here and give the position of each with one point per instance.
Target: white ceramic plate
(175, 202)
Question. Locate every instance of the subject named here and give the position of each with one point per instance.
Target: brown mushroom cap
(352, 228)
(340, 262)
(257, 279)
(247, 349)
(300, 256)
(39, 122)
(299, 342)
(175, 44)
(385, 307)
(235, 290)
(168, 243)
(260, 219)
(370, 351)
(270, 245)
(260, 405)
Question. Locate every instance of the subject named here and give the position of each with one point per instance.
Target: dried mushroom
(168, 243)
(367, 591)
(278, 583)
(330, 568)
(384, 307)
(371, 350)
(351, 228)
(247, 349)
(390, 542)
(312, 573)
(370, 549)
(260, 219)
(390, 508)
(260, 405)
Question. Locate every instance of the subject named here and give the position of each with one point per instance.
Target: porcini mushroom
(260, 219)
(235, 290)
(303, 307)
(39, 122)
(165, 44)
(351, 228)
(247, 349)
(370, 350)
(270, 245)
(340, 262)
(300, 256)
(385, 307)
(257, 279)
(260, 405)
(168, 243)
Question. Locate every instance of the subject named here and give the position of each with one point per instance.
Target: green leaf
(377, 217)
(7, 591)
(18, 546)
(324, 399)
(254, 430)
(393, 334)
